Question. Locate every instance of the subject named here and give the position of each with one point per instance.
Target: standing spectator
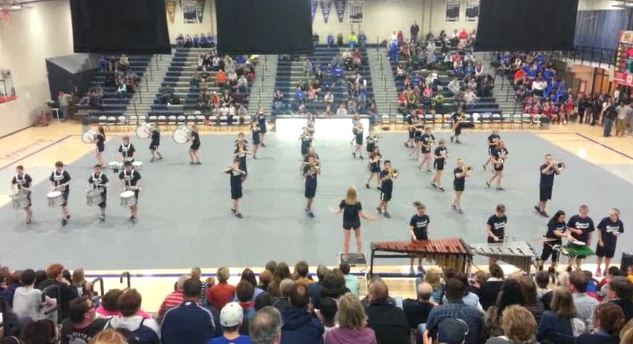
(585, 304)
(470, 298)
(221, 293)
(302, 273)
(352, 324)
(67, 293)
(608, 319)
(417, 311)
(173, 299)
(188, 323)
(282, 302)
(315, 289)
(511, 294)
(27, 301)
(531, 301)
(518, 327)
(40, 332)
(621, 293)
(556, 324)
(63, 99)
(298, 324)
(491, 288)
(145, 330)
(351, 281)
(265, 328)
(231, 318)
(414, 30)
(82, 324)
(624, 112)
(388, 321)
(327, 313)
(610, 114)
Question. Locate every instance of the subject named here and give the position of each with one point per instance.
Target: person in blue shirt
(231, 317)
(189, 322)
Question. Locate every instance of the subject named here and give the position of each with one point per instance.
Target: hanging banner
(200, 10)
(189, 14)
(472, 10)
(326, 6)
(170, 7)
(340, 9)
(313, 8)
(356, 11)
(452, 10)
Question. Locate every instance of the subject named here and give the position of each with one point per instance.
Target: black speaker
(626, 261)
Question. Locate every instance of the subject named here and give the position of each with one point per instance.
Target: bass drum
(181, 135)
(144, 131)
(89, 136)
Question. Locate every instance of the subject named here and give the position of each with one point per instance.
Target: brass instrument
(500, 161)
(469, 168)
(393, 173)
(314, 167)
(560, 166)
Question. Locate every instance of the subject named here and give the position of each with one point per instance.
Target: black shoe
(378, 188)
(132, 219)
(160, 157)
(441, 188)
(152, 159)
(191, 163)
(544, 214)
(238, 215)
(386, 214)
(64, 222)
(488, 184)
(433, 185)
(233, 210)
(361, 157)
(499, 188)
(67, 217)
(452, 139)
(262, 144)
(484, 167)
(198, 163)
(311, 214)
(354, 155)
(538, 210)
(367, 186)
(101, 219)
(29, 221)
(458, 142)
(379, 210)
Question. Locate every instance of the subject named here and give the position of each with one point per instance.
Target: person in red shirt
(519, 77)
(568, 108)
(463, 36)
(221, 293)
(174, 299)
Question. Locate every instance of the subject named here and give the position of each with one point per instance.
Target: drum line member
(460, 173)
(492, 144)
(387, 175)
(240, 153)
(126, 150)
(372, 142)
(236, 179)
(458, 119)
(419, 226)
(155, 143)
(440, 155)
(261, 121)
(546, 183)
(609, 229)
(374, 167)
(100, 138)
(306, 141)
(22, 182)
(60, 181)
(194, 138)
(426, 142)
(310, 172)
(580, 227)
(352, 211)
(496, 228)
(417, 145)
(130, 179)
(99, 180)
(256, 134)
(411, 132)
(358, 138)
(556, 230)
(499, 156)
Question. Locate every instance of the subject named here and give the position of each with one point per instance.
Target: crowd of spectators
(118, 74)
(286, 306)
(197, 41)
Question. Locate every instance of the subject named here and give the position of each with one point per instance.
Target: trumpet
(393, 173)
(500, 161)
(560, 166)
(314, 167)
(469, 169)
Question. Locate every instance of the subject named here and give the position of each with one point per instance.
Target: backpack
(142, 335)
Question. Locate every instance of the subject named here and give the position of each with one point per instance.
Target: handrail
(125, 274)
(58, 298)
(101, 289)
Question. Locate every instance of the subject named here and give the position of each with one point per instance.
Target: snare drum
(55, 199)
(115, 166)
(128, 198)
(94, 197)
(89, 136)
(138, 165)
(144, 131)
(20, 200)
(181, 135)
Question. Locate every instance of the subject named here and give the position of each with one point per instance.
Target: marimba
(446, 253)
(517, 253)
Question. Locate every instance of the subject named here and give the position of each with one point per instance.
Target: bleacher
(113, 104)
(290, 74)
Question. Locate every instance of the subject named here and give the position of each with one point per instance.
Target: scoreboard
(623, 70)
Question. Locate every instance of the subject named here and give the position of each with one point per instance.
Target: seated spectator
(470, 97)
(282, 271)
(490, 290)
(244, 292)
(82, 324)
(283, 301)
(188, 320)
(180, 41)
(327, 313)
(265, 278)
(585, 304)
(175, 298)
(480, 278)
(124, 63)
(298, 324)
(231, 318)
(352, 324)
(315, 289)
(109, 336)
(469, 298)
(265, 328)
(301, 274)
(417, 310)
(351, 281)
(66, 292)
(40, 332)
(341, 111)
(531, 301)
(556, 324)
(389, 322)
(456, 309)
(432, 277)
(542, 280)
(608, 320)
(221, 293)
(221, 78)
(27, 301)
(108, 307)
(621, 293)
(334, 284)
(146, 330)
(518, 325)
(511, 294)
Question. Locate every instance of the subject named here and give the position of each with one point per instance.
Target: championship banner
(356, 11)
(472, 10)
(340, 9)
(189, 13)
(326, 6)
(623, 68)
(200, 9)
(313, 8)
(170, 7)
(452, 10)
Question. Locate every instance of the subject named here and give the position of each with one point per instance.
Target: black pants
(549, 251)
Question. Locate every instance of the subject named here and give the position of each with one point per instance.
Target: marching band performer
(417, 145)
(100, 146)
(609, 229)
(499, 157)
(98, 180)
(495, 228)
(60, 181)
(460, 173)
(372, 142)
(242, 138)
(458, 122)
(126, 150)
(358, 139)
(546, 184)
(236, 178)
(580, 227)
(240, 153)
(130, 179)
(426, 142)
(155, 143)
(310, 172)
(374, 167)
(387, 175)
(256, 135)
(306, 141)
(492, 145)
(352, 211)
(22, 182)
(419, 225)
(411, 135)
(261, 122)
(440, 156)
(556, 231)
(194, 138)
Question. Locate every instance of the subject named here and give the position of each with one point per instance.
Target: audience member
(621, 293)
(27, 301)
(585, 304)
(40, 332)
(389, 322)
(470, 299)
(265, 328)
(231, 318)
(298, 324)
(174, 299)
(351, 281)
(556, 325)
(531, 301)
(316, 288)
(302, 273)
(327, 313)
(352, 324)
(608, 319)
(282, 271)
(511, 294)
(58, 283)
(82, 324)
(432, 277)
(145, 330)
(221, 293)
(491, 288)
(518, 325)
(109, 336)
(417, 310)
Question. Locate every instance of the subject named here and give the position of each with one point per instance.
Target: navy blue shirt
(188, 323)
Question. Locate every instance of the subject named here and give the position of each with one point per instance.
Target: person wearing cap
(231, 318)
